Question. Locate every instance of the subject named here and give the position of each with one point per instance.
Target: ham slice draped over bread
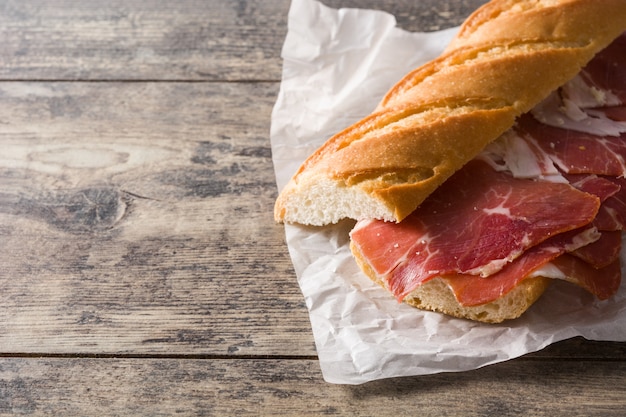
(547, 199)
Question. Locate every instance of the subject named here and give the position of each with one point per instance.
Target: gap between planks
(138, 80)
(34, 355)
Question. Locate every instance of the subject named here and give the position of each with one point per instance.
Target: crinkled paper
(337, 65)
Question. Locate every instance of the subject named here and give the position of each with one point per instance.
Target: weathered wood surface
(141, 272)
(137, 216)
(160, 40)
(167, 387)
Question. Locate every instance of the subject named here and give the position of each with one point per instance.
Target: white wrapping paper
(337, 66)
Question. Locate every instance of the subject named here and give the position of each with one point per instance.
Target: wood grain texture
(139, 40)
(166, 387)
(182, 40)
(141, 272)
(417, 16)
(137, 217)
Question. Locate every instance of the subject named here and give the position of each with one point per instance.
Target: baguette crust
(435, 295)
(508, 56)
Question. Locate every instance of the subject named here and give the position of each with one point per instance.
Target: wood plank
(154, 40)
(417, 16)
(182, 40)
(578, 348)
(138, 255)
(164, 387)
(138, 217)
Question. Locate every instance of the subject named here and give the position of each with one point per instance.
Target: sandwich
(490, 171)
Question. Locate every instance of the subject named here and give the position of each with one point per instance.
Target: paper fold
(338, 64)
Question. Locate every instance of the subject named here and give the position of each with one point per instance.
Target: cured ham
(606, 72)
(616, 113)
(612, 215)
(471, 290)
(601, 282)
(573, 151)
(522, 157)
(594, 100)
(603, 251)
(476, 223)
(546, 199)
(612, 194)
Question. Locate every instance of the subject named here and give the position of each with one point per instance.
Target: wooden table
(141, 271)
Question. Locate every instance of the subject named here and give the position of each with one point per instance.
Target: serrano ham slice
(573, 151)
(612, 194)
(616, 113)
(606, 72)
(471, 290)
(602, 282)
(612, 215)
(476, 223)
(603, 251)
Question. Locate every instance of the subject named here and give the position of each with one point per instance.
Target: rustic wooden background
(141, 272)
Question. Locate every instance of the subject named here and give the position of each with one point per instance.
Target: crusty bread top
(507, 57)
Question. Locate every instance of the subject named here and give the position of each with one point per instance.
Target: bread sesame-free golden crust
(507, 57)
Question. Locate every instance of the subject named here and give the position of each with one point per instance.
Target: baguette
(507, 57)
